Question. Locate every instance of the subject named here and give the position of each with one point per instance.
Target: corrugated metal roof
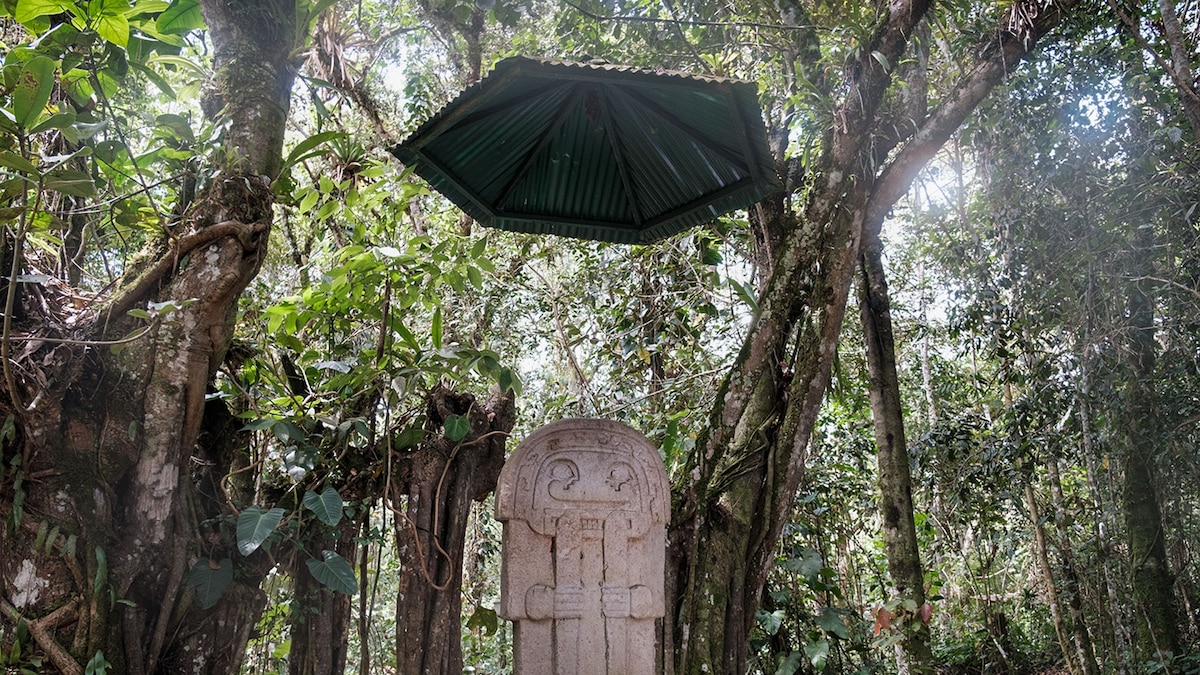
(596, 151)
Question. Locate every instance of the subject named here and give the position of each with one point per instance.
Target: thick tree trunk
(107, 445)
(435, 485)
(1153, 584)
(895, 479)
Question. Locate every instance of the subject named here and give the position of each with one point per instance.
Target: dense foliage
(1044, 272)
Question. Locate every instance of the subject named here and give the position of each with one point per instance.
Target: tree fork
(803, 303)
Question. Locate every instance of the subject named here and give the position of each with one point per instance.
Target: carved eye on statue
(565, 473)
(618, 476)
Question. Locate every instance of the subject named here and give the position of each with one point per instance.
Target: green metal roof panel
(595, 151)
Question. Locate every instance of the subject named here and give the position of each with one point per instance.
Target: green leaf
(817, 651)
(831, 621)
(298, 153)
(789, 664)
(475, 277)
(288, 431)
(98, 665)
(113, 28)
(43, 529)
(101, 579)
(746, 292)
(333, 572)
(74, 183)
(9, 431)
(210, 579)
(327, 505)
(770, 621)
(282, 650)
(28, 10)
(59, 121)
(178, 125)
(14, 161)
(183, 16)
(31, 92)
(484, 620)
(253, 425)
(410, 436)
(308, 201)
(435, 330)
(255, 525)
(509, 380)
(155, 78)
(457, 427)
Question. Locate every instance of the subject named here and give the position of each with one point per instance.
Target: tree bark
(320, 621)
(1153, 584)
(1070, 584)
(435, 485)
(895, 479)
(1052, 596)
(1180, 69)
(110, 439)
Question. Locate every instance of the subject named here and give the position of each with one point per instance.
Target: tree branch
(41, 630)
(132, 294)
(1012, 45)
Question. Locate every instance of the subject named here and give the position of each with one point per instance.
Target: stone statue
(585, 504)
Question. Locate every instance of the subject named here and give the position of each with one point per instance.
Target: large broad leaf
(789, 664)
(113, 28)
(334, 572)
(183, 16)
(817, 652)
(831, 621)
(28, 10)
(255, 525)
(210, 579)
(327, 505)
(71, 182)
(31, 91)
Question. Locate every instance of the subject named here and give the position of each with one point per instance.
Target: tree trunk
(320, 621)
(1052, 597)
(436, 485)
(895, 479)
(1153, 584)
(1070, 585)
(748, 463)
(107, 445)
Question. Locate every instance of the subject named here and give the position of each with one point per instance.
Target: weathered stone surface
(584, 504)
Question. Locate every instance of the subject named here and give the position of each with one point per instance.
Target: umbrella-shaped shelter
(596, 151)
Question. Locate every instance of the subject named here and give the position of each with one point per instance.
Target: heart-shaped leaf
(334, 572)
(457, 427)
(210, 579)
(327, 505)
(255, 525)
